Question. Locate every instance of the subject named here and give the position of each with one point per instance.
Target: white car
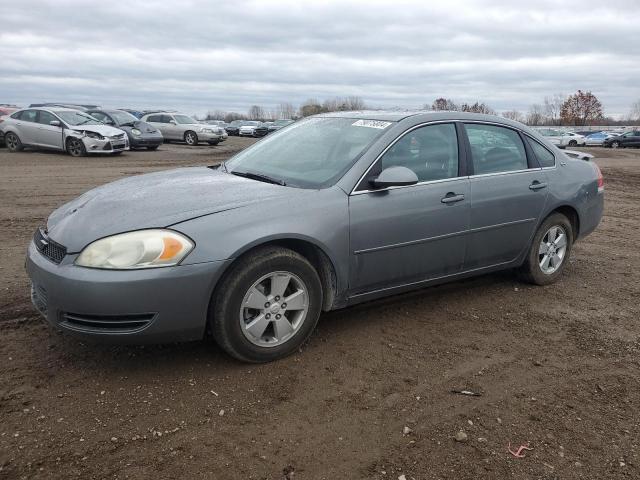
(180, 127)
(562, 139)
(248, 129)
(62, 129)
(598, 138)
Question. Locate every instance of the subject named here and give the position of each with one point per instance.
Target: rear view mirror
(395, 177)
(54, 123)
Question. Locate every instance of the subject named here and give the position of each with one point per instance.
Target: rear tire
(615, 144)
(75, 147)
(573, 143)
(13, 142)
(249, 316)
(549, 252)
(191, 138)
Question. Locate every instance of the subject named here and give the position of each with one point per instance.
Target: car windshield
(184, 119)
(250, 124)
(77, 118)
(312, 153)
(282, 122)
(123, 117)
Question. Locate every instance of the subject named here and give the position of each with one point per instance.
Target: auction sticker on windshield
(371, 124)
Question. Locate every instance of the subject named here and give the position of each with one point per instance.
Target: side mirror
(54, 123)
(395, 177)
(172, 122)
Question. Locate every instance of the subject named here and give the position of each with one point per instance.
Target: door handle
(452, 198)
(536, 185)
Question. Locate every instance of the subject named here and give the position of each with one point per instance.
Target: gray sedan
(328, 212)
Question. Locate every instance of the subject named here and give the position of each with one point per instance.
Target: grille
(39, 298)
(106, 323)
(120, 136)
(47, 247)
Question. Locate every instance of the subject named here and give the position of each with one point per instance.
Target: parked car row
(563, 139)
(84, 129)
(254, 128)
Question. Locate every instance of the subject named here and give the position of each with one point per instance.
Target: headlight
(95, 135)
(135, 131)
(141, 249)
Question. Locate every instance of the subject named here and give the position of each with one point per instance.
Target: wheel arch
(311, 251)
(572, 214)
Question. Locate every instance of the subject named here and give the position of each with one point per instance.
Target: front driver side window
(495, 149)
(431, 152)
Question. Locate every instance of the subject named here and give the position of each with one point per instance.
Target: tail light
(600, 177)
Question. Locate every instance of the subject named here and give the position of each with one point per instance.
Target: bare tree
(513, 115)
(355, 103)
(477, 108)
(286, 110)
(634, 114)
(581, 108)
(535, 116)
(443, 104)
(310, 107)
(256, 112)
(552, 106)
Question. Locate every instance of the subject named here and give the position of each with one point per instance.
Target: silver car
(63, 129)
(328, 212)
(180, 127)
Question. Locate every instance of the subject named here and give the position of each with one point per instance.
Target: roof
(426, 115)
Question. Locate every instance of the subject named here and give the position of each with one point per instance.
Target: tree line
(582, 108)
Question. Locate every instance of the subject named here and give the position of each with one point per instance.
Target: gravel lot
(557, 366)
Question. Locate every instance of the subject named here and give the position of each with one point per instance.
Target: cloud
(199, 55)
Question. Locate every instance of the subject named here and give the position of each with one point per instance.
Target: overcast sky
(202, 55)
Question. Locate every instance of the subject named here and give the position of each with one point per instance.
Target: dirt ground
(556, 366)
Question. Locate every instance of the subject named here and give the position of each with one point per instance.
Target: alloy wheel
(75, 147)
(12, 141)
(552, 249)
(615, 145)
(274, 308)
(190, 138)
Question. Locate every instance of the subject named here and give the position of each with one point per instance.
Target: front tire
(267, 306)
(615, 144)
(573, 143)
(13, 142)
(549, 252)
(191, 138)
(155, 147)
(75, 147)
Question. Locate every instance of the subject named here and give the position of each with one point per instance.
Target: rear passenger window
(544, 156)
(155, 118)
(431, 152)
(495, 149)
(28, 115)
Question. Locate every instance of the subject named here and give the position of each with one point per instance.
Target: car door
(49, 136)
(631, 139)
(401, 235)
(156, 121)
(27, 128)
(508, 194)
(174, 130)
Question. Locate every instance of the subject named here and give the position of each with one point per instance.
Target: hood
(155, 200)
(104, 130)
(144, 127)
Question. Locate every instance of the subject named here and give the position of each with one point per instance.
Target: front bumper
(208, 137)
(146, 141)
(115, 144)
(135, 306)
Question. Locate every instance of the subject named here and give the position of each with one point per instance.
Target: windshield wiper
(259, 176)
